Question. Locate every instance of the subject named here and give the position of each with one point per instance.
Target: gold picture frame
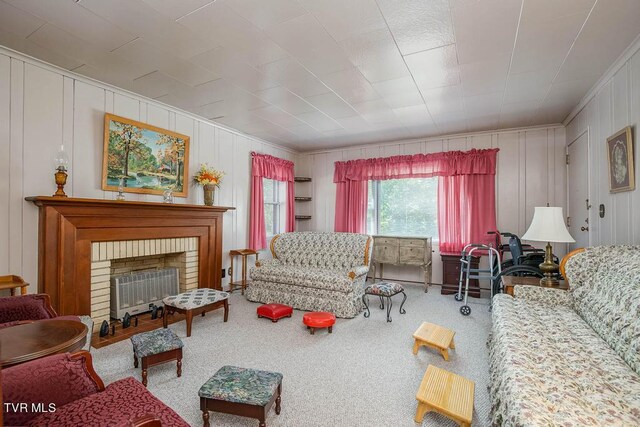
(147, 158)
(620, 155)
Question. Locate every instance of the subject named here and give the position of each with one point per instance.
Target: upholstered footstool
(384, 290)
(274, 312)
(156, 347)
(241, 391)
(194, 302)
(319, 319)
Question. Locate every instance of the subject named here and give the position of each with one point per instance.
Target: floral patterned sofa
(571, 358)
(314, 271)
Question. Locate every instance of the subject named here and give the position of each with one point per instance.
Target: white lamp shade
(548, 226)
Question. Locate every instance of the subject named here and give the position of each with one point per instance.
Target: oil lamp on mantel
(61, 162)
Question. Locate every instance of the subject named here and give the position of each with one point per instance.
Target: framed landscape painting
(620, 154)
(146, 158)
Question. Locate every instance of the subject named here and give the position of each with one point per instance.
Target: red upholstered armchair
(25, 308)
(68, 383)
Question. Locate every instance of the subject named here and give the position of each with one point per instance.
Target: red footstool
(319, 319)
(274, 312)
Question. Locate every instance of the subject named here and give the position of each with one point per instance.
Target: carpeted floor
(363, 374)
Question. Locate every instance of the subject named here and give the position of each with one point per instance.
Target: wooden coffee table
(21, 343)
(510, 281)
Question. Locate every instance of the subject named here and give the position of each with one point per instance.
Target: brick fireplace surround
(78, 237)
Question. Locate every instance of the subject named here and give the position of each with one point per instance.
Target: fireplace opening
(137, 293)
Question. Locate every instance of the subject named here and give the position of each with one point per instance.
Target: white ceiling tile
(484, 104)
(189, 73)
(417, 115)
(216, 109)
(28, 47)
(277, 116)
(300, 35)
(52, 37)
(529, 86)
(332, 105)
(545, 42)
(419, 25)
(351, 86)
(319, 121)
(484, 76)
(266, 14)
(376, 111)
(324, 60)
(485, 29)
(545, 10)
(376, 55)
(482, 123)
(140, 51)
(176, 9)
(435, 68)
(345, 18)
(444, 100)
(17, 21)
(286, 100)
(142, 20)
(155, 84)
(73, 18)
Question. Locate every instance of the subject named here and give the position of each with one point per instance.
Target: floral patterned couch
(571, 358)
(314, 271)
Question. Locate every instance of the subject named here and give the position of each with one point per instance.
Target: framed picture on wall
(143, 158)
(620, 152)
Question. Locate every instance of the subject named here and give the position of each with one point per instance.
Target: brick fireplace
(81, 240)
(127, 256)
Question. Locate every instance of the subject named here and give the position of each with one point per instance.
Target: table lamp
(548, 226)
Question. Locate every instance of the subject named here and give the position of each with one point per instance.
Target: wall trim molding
(435, 138)
(624, 57)
(106, 86)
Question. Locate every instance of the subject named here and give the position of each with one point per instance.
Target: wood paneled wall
(531, 172)
(41, 107)
(613, 106)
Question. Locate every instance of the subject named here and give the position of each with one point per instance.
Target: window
(275, 197)
(403, 207)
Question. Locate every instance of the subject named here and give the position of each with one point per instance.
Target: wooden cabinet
(451, 276)
(402, 251)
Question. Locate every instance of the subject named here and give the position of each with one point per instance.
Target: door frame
(591, 222)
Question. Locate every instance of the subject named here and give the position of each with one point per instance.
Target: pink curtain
(351, 207)
(466, 191)
(270, 167)
(466, 211)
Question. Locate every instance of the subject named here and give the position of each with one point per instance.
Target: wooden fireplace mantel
(68, 226)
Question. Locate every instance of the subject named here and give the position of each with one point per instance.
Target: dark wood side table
(510, 281)
(451, 276)
(12, 282)
(29, 341)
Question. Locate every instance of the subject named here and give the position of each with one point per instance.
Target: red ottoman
(319, 319)
(274, 312)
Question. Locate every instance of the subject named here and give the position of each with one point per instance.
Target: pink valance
(271, 167)
(449, 163)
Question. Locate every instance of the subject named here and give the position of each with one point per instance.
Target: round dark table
(21, 343)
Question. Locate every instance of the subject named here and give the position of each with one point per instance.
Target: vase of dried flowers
(209, 179)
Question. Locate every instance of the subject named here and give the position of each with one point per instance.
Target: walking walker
(466, 272)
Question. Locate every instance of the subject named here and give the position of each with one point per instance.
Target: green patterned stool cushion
(155, 342)
(241, 385)
(385, 289)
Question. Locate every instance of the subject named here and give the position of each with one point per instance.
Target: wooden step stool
(445, 393)
(432, 335)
